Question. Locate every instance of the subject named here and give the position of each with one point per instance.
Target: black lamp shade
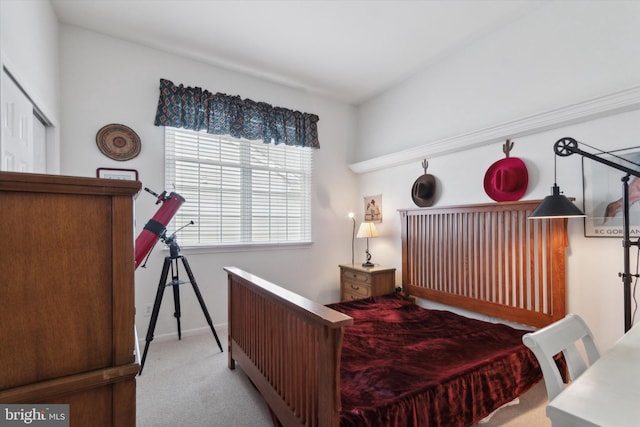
(556, 205)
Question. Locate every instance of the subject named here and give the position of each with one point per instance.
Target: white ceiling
(347, 49)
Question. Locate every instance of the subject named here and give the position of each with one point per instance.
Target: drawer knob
(355, 288)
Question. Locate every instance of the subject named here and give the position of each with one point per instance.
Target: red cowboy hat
(506, 180)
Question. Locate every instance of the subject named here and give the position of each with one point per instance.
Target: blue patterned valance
(220, 114)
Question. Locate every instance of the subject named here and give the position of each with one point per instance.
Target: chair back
(562, 336)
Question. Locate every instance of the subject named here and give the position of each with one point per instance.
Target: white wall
(29, 50)
(105, 80)
(563, 53)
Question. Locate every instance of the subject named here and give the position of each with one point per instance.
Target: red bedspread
(403, 365)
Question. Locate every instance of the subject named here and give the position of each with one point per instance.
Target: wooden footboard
(487, 258)
(290, 348)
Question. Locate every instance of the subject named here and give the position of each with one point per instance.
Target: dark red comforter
(403, 365)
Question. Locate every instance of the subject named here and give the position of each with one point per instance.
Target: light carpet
(187, 383)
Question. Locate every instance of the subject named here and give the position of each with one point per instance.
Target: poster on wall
(373, 208)
(602, 194)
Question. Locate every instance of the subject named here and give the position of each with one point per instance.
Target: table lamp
(367, 229)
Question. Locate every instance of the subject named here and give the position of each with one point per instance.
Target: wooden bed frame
(485, 258)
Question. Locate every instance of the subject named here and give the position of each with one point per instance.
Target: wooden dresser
(67, 296)
(357, 281)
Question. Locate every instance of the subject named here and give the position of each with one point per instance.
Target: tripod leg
(156, 309)
(200, 300)
(175, 282)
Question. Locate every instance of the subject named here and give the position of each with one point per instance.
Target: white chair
(562, 336)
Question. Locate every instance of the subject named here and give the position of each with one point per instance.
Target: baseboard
(221, 330)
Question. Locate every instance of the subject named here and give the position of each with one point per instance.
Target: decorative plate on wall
(118, 142)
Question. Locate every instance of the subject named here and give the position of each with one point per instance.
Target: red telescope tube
(157, 225)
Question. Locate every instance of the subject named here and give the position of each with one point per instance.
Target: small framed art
(110, 173)
(373, 208)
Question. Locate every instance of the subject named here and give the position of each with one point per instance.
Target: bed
(319, 365)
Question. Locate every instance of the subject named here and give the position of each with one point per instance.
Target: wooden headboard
(487, 258)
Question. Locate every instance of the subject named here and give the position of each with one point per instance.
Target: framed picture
(373, 208)
(602, 195)
(109, 173)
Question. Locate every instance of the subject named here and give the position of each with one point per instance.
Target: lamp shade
(556, 205)
(367, 229)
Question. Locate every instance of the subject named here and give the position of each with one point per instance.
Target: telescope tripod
(171, 262)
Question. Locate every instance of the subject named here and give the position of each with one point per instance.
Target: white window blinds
(238, 191)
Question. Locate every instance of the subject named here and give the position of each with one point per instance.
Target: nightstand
(357, 281)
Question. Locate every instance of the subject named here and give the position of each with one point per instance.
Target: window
(238, 191)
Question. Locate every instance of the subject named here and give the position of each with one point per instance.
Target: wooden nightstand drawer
(348, 296)
(356, 276)
(356, 288)
(362, 282)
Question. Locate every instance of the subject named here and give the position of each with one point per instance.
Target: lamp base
(368, 263)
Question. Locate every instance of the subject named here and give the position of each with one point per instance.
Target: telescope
(156, 227)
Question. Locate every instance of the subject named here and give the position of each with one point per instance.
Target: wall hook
(506, 147)
(425, 165)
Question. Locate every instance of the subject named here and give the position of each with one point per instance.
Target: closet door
(16, 145)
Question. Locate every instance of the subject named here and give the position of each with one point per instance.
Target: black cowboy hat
(423, 191)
